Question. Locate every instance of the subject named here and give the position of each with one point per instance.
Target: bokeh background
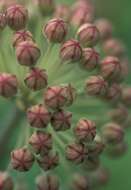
(119, 12)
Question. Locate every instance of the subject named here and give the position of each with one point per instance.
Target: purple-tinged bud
(71, 51)
(90, 59)
(22, 159)
(46, 6)
(110, 68)
(105, 28)
(96, 86)
(112, 133)
(8, 85)
(48, 182)
(61, 120)
(113, 93)
(17, 16)
(71, 94)
(38, 116)
(36, 79)
(88, 35)
(27, 53)
(6, 182)
(21, 36)
(55, 30)
(85, 130)
(3, 21)
(76, 153)
(114, 47)
(41, 142)
(91, 163)
(126, 96)
(55, 97)
(62, 11)
(49, 161)
(80, 183)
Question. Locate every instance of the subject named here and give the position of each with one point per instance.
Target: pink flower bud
(71, 51)
(88, 35)
(80, 182)
(21, 36)
(41, 142)
(112, 133)
(46, 6)
(3, 21)
(22, 159)
(36, 79)
(38, 116)
(17, 16)
(48, 182)
(96, 86)
(55, 97)
(126, 96)
(27, 53)
(62, 11)
(110, 68)
(85, 130)
(76, 153)
(90, 59)
(61, 120)
(55, 30)
(114, 47)
(6, 182)
(8, 85)
(71, 94)
(49, 161)
(105, 28)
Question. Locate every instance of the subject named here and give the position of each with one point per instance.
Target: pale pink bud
(62, 11)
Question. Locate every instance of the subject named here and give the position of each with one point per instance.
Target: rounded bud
(49, 161)
(71, 51)
(46, 7)
(22, 159)
(100, 177)
(110, 68)
(8, 85)
(6, 182)
(88, 35)
(3, 21)
(91, 163)
(90, 59)
(55, 30)
(21, 36)
(27, 53)
(71, 94)
(76, 153)
(96, 86)
(61, 120)
(80, 183)
(62, 11)
(41, 142)
(17, 16)
(55, 97)
(48, 182)
(126, 96)
(85, 130)
(105, 28)
(114, 47)
(36, 79)
(38, 116)
(112, 133)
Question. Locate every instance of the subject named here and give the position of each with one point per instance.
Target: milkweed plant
(65, 73)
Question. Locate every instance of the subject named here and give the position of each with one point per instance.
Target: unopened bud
(126, 96)
(6, 182)
(80, 183)
(62, 11)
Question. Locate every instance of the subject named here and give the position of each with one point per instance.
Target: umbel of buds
(71, 51)
(21, 36)
(48, 182)
(6, 182)
(88, 35)
(38, 116)
(41, 142)
(90, 59)
(85, 130)
(96, 86)
(61, 120)
(55, 30)
(8, 85)
(36, 79)
(17, 17)
(27, 53)
(22, 159)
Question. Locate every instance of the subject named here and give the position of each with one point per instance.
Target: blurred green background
(119, 12)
